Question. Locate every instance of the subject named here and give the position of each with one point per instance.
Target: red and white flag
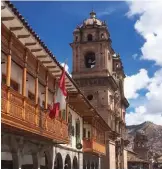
(54, 110)
(62, 92)
(60, 101)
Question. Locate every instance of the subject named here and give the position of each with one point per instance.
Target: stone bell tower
(98, 71)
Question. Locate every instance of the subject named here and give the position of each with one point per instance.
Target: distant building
(138, 158)
(159, 162)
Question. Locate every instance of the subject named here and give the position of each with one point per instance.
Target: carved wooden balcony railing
(20, 113)
(90, 145)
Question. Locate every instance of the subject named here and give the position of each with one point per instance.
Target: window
(3, 79)
(76, 38)
(31, 96)
(90, 60)
(117, 65)
(63, 114)
(90, 97)
(77, 131)
(84, 133)
(102, 36)
(70, 127)
(43, 104)
(89, 135)
(89, 37)
(14, 85)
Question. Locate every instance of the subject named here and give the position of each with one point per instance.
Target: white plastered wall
(75, 116)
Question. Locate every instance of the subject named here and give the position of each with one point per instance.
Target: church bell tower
(97, 69)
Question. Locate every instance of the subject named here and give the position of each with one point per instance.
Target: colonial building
(136, 162)
(30, 75)
(138, 158)
(99, 73)
(140, 145)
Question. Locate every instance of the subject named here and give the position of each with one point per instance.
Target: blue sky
(54, 22)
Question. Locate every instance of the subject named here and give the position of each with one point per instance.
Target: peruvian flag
(62, 82)
(54, 110)
(61, 94)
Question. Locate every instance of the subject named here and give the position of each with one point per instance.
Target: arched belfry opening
(90, 60)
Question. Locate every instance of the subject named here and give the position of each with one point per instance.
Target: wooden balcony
(90, 145)
(20, 114)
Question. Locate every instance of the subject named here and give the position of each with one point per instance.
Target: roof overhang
(15, 22)
(85, 109)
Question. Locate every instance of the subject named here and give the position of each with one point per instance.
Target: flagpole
(65, 63)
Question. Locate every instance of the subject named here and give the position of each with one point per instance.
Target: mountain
(153, 133)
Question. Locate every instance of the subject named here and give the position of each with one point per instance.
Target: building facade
(98, 71)
(30, 75)
(139, 157)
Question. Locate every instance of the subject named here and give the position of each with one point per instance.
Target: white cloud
(137, 117)
(134, 83)
(134, 56)
(151, 108)
(107, 11)
(154, 94)
(149, 26)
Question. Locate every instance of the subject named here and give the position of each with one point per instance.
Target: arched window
(89, 37)
(102, 36)
(58, 164)
(70, 123)
(67, 162)
(76, 38)
(77, 131)
(89, 135)
(75, 163)
(90, 60)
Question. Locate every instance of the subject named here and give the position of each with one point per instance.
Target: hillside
(153, 132)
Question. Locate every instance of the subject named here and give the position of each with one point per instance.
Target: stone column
(80, 160)
(50, 157)
(99, 162)
(17, 160)
(53, 155)
(36, 160)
